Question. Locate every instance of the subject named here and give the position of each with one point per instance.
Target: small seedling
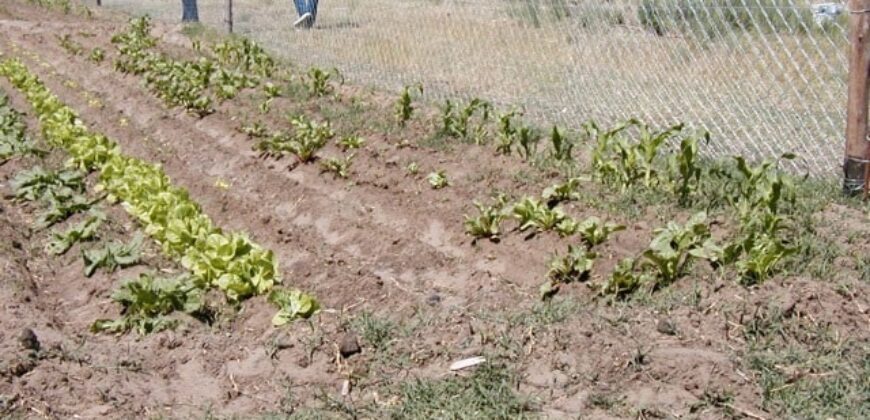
(351, 143)
(404, 106)
(594, 232)
(438, 179)
(413, 168)
(486, 224)
(97, 55)
(574, 266)
(292, 305)
(339, 167)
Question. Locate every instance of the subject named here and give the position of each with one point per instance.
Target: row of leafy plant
(238, 64)
(666, 162)
(226, 261)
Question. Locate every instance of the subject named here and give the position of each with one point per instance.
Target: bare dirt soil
(389, 260)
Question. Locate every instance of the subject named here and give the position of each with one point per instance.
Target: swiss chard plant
(575, 266)
(148, 301)
(625, 279)
(595, 232)
(113, 256)
(319, 81)
(565, 191)
(351, 143)
(339, 167)
(676, 246)
(61, 242)
(563, 147)
(532, 213)
(467, 123)
(488, 221)
(404, 108)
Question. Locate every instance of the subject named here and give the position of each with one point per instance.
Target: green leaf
(292, 304)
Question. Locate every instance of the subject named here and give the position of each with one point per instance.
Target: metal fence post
(855, 166)
(229, 20)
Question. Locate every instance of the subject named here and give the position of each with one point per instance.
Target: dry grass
(760, 94)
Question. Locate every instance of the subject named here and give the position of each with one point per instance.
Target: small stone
(433, 299)
(666, 327)
(28, 340)
(349, 345)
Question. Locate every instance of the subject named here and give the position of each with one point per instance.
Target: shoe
(302, 20)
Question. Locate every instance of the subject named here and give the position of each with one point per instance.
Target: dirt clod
(665, 326)
(349, 345)
(28, 340)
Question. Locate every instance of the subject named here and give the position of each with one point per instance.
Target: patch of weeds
(376, 331)
(807, 370)
(548, 312)
(487, 394)
(603, 401)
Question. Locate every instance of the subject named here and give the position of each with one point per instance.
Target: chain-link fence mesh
(763, 76)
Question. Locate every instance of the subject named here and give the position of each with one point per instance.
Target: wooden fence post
(855, 166)
(230, 16)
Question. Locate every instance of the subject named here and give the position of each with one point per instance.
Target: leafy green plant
(113, 255)
(404, 108)
(594, 232)
(562, 146)
(574, 266)
(438, 179)
(460, 123)
(97, 55)
(619, 162)
(318, 81)
(351, 143)
(487, 223)
(67, 43)
(271, 90)
(686, 174)
(255, 129)
(292, 305)
(533, 213)
(528, 139)
(413, 168)
(624, 279)
(245, 56)
(675, 246)
(38, 183)
(61, 242)
(228, 261)
(339, 167)
(761, 255)
(506, 133)
(61, 207)
(148, 300)
(565, 191)
(13, 139)
(308, 137)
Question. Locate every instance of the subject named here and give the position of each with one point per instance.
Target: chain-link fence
(763, 76)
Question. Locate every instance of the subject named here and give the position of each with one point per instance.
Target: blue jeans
(307, 6)
(189, 12)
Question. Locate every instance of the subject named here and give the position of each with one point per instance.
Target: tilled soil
(382, 243)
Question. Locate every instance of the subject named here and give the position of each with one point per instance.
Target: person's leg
(305, 15)
(300, 6)
(313, 10)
